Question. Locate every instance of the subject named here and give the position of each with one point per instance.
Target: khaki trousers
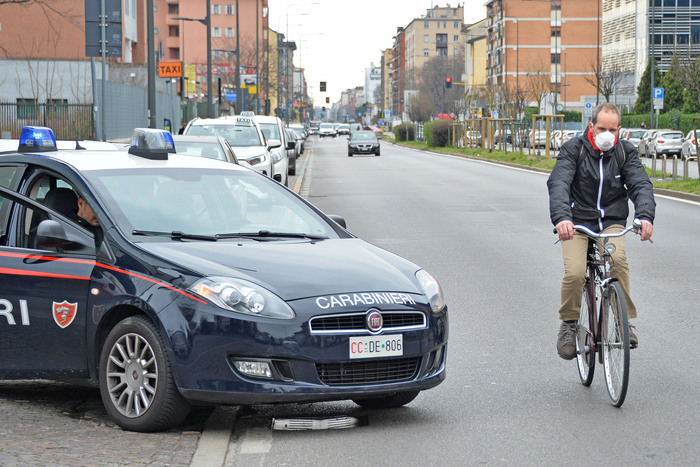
(574, 254)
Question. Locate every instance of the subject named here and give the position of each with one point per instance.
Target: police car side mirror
(338, 220)
(50, 234)
(273, 143)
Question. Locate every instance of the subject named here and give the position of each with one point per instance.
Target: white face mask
(604, 140)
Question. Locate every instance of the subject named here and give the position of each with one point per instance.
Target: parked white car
(273, 129)
(690, 145)
(667, 142)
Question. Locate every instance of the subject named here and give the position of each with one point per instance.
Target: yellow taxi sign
(169, 69)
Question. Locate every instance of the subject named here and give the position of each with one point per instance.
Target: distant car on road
(327, 129)
(344, 129)
(363, 142)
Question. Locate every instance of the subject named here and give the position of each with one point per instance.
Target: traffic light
(323, 86)
(448, 82)
(328, 100)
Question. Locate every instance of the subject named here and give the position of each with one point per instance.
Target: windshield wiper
(175, 234)
(266, 234)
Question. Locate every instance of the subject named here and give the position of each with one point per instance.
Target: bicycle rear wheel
(616, 344)
(585, 347)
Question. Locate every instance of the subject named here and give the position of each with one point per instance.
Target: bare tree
(606, 80)
(432, 83)
(420, 107)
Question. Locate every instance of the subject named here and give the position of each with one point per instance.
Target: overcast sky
(336, 39)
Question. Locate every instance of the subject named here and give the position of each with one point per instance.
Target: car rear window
(636, 134)
(671, 135)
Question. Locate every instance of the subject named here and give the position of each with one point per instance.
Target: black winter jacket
(595, 191)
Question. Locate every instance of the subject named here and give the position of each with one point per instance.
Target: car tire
(349, 154)
(158, 404)
(392, 401)
(377, 153)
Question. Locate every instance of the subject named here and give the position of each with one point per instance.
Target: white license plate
(376, 346)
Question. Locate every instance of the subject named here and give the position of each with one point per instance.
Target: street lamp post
(207, 22)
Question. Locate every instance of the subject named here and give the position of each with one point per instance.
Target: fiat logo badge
(374, 321)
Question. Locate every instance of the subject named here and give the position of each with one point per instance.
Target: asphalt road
(483, 231)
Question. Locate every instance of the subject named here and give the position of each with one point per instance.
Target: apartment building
(53, 41)
(545, 49)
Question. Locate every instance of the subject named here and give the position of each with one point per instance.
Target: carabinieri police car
(172, 281)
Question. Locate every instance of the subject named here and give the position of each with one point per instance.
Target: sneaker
(566, 346)
(634, 342)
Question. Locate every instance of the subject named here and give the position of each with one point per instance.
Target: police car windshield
(236, 135)
(207, 202)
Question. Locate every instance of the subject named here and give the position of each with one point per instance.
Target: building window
(426, 38)
(556, 58)
(230, 9)
(173, 53)
(216, 9)
(455, 38)
(441, 52)
(556, 4)
(173, 31)
(455, 52)
(230, 32)
(695, 34)
(556, 31)
(426, 52)
(671, 3)
(173, 9)
(26, 108)
(455, 24)
(215, 32)
(426, 24)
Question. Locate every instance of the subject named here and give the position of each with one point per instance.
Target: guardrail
(685, 160)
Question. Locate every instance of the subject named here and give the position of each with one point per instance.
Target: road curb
(215, 439)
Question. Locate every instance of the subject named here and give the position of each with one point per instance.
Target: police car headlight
(242, 296)
(431, 289)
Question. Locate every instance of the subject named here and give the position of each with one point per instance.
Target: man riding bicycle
(592, 180)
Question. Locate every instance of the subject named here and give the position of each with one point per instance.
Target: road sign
(588, 109)
(169, 69)
(658, 93)
(231, 96)
(658, 103)
(113, 29)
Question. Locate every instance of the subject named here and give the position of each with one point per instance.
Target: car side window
(6, 206)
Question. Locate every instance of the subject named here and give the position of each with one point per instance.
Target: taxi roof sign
(151, 143)
(37, 138)
(244, 121)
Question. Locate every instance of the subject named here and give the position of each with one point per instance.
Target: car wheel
(292, 169)
(136, 379)
(349, 154)
(392, 401)
(376, 153)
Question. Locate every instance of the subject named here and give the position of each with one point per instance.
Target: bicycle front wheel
(585, 347)
(616, 343)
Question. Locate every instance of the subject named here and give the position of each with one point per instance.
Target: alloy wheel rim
(132, 375)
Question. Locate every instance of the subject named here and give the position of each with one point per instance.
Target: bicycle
(603, 326)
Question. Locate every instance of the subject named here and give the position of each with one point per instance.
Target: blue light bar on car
(36, 139)
(151, 143)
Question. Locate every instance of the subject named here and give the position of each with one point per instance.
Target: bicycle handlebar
(636, 224)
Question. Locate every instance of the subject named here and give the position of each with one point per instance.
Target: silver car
(633, 135)
(690, 145)
(667, 142)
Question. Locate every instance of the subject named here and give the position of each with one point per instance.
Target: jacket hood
(295, 269)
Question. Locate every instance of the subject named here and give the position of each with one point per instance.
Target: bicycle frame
(598, 267)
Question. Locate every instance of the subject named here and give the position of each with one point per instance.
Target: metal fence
(68, 121)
